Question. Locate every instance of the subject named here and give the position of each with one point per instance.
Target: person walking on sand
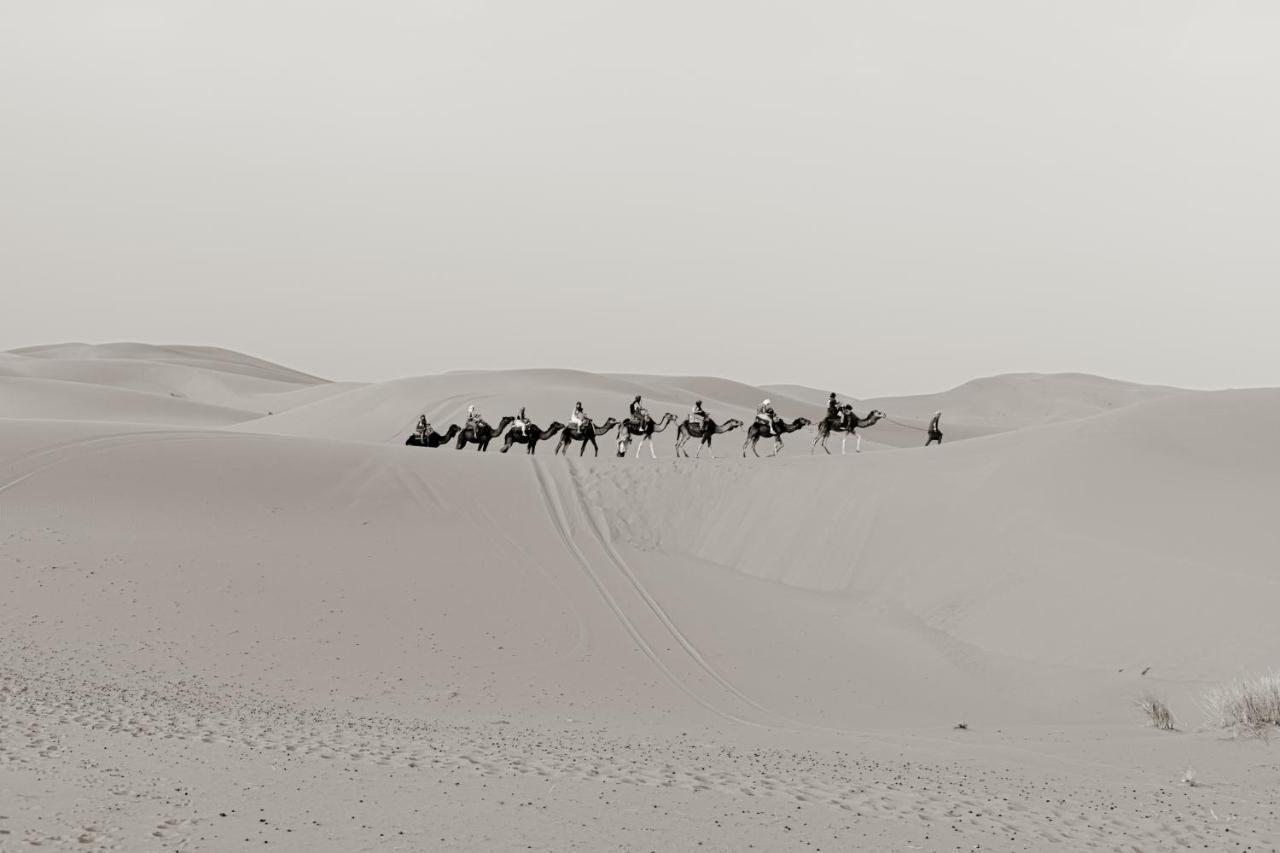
(935, 433)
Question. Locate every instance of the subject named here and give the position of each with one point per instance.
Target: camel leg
(858, 447)
(652, 452)
(844, 439)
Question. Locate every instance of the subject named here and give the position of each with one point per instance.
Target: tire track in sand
(560, 521)
(600, 531)
(52, 455)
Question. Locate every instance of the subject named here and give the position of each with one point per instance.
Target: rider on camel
(638, 413)
(424, 429)
(837, 414)
(699, 415)
(474, 418)
(521, 423)
(766, 415)
(579, 417)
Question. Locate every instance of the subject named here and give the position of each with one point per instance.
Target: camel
(628, 428)
(703, 432)
(757, 431)
(585, 433)
(481, 434)
(530, 441)
(436, 439)
(830, 424)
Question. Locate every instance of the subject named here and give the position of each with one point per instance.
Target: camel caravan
(640, 427)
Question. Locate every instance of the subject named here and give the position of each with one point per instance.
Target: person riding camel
(521, 423)
(474, 418)
(579, 417)
(424, 429)
(698, 416)
(638, 413)
(766, 415)
(838, 414)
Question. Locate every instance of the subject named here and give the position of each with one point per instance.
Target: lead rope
(908, 426)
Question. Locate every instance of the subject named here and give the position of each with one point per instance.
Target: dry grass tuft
(1249, 706)
(1156, 711)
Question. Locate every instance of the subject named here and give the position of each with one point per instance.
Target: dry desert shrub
(1249, 706)
(1156, 711)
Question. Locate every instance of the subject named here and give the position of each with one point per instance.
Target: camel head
(875, 415)
(801, 423)
(732, 423)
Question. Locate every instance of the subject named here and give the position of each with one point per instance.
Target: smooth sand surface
(229, 629)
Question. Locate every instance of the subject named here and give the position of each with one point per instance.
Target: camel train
(640, 427)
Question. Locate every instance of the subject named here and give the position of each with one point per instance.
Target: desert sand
(239, 612)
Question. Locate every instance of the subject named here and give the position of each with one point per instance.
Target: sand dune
(292, 629)
(210, 358)
(192, 386)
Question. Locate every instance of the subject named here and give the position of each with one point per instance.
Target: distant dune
(246, 622)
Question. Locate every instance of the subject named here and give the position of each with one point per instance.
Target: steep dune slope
(1138, 537)
(347, 572)
(1013, 574)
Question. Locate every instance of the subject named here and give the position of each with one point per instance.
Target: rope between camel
(908, 426)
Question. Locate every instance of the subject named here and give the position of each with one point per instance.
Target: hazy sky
(880, 197)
